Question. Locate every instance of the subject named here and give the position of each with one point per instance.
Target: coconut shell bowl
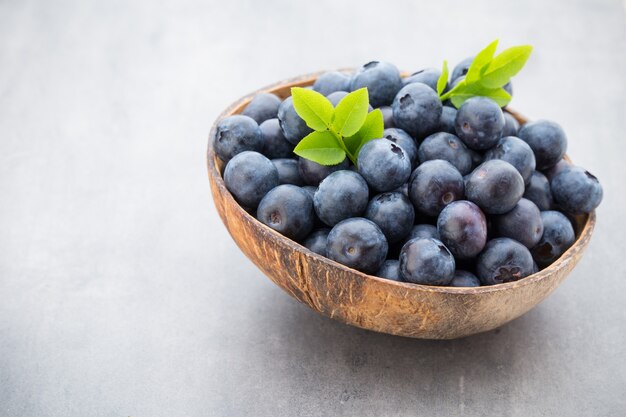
(369, 302)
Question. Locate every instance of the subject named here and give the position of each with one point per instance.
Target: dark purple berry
(249, 176)
(262, 107)
(417, 110)
(516, 152)
(288, 209)
(341, 195)
(274, 143)
(313, 173)
(382, 80)
(433, 185)
(576, 191)
(547, 140)
(316, 241)
(479, 123)
(496, 186)
(464, 279)
(426, 261)
(523, 223)
(390, 270)
(384, 165)
(503, 260)
(538, 191)
(236, 134)
(448, 147)
(288, 171)
(463, 229)
(357, 243)
(558, 236)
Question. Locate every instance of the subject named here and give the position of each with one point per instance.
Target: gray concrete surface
(122, 293)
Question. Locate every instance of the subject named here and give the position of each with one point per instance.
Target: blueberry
(511, 125)
(288, 171)
(388, 121)
(310, 190)
(390, 270)
(341, 195)
(249, 176)
(576, 191)
(461, 68)
(235, 134)
(558, 236)
(357, 243)
(313, 173)
(406, 142)
(417, 110)
(336, 97)
(288, 209)
(556, 169)
(464, 279)
(433, 185)
(404, 189)
(535, 267)
(523, 223)
(503, 260)
(423, 230)
(449, 87)
(538, 191)
(419, 230)
(496, 186)
(479, 123)
(332, 81)
(463, 229)
(428, 76)
(393, 213)
(448, 147)
(294, 128)
(384, 165)
(316, 241)
(262, 107)
(274, 143)
(547, 140)
(477, 158)
(381, 79)
(448, 117)
(508, 87)
(426, 261)
(516, 152)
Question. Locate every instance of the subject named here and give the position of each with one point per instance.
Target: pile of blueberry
(463, 197)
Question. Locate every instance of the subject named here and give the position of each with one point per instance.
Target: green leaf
(313, 107)
(487, 75)
(499, 95)
(351, 112)
(372, 129)
(353, 143)
(320, 147)
(373, 126)
(500, 69)
(483, 58)
(443, 78)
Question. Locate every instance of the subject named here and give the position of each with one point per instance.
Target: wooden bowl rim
(308, 79)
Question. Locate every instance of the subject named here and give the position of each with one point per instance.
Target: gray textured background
(122, 293)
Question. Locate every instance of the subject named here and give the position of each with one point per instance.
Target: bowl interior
(583, 224)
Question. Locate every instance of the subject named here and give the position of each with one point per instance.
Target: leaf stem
(343, 146)
(449, 94)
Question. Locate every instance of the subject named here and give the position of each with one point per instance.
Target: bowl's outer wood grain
(373, 303)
